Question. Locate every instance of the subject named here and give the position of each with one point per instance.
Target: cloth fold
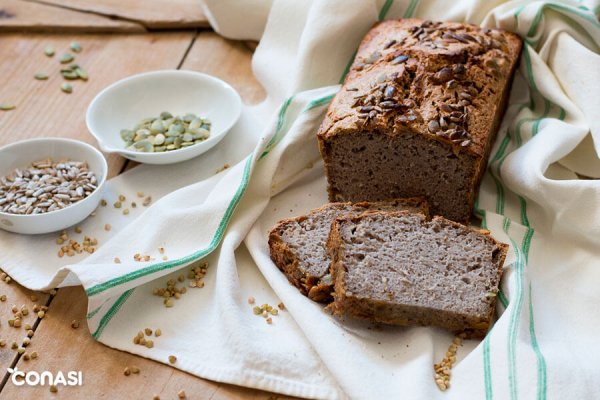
(542, 344)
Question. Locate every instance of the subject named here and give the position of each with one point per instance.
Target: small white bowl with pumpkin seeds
(163, 117)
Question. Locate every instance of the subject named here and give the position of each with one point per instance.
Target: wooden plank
(18, 15)
(19, 296)
(153, 14)
(43, 110)
(228, 60)
(62, 348)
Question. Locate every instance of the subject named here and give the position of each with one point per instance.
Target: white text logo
(34, 378)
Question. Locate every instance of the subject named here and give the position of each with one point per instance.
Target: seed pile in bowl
(166, 133)
(46, 186)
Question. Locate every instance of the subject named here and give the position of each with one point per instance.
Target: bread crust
(488, 60)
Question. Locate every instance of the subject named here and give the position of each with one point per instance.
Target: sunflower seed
(443, 75)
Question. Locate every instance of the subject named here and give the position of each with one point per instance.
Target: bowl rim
(124, 81)
(101, 181)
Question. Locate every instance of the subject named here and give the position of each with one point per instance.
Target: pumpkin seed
(76, 47)
(68, 74)
(49, 51)
(66, 87)
(82, 73)
(166, 133)
(66, 58)
(40, 76)
(7, 107)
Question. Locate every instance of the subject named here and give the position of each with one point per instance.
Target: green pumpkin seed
(49, 51)
(82, 74)
(127, 135)
(165, 133)
(40, 77)
(7, 107)
(70, 75)
(159, 139)
(66, 87)
(66, 58)
(76, 47)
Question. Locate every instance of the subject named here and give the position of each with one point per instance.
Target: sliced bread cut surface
(298, 245)
(401, 268)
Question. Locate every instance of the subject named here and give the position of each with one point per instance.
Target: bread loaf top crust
(444, 80)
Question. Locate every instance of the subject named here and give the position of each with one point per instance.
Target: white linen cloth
(543, 344)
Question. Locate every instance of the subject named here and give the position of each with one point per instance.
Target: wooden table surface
(43, 110)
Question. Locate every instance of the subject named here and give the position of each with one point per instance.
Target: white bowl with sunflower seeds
(45, 200)
(132, 102)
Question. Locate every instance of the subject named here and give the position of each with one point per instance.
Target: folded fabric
(543, 343)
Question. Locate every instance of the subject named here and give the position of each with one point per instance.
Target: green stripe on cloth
(541, 370)
(410, 10)
(385, 9)
(111, 313)
(94, 290)
(347, 69)
(280, 121)
(319, 102)
(515, 315)
(487, 368)
(503, 299)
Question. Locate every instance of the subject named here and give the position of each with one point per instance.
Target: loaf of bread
(401, 268)
(298, 245)
(417, 114)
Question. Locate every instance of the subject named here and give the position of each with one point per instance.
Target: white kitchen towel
(543, 343)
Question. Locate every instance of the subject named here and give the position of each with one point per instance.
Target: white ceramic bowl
(22, 154)
(125, 103)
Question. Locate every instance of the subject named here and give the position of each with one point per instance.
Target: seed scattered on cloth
(40, 76)
(49, 51)
(223, 168)
(172, 290)
(172, 359)
(7, 106)
(442, 369)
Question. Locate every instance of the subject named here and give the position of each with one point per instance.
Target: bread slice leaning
(298, 245)
(401, 268)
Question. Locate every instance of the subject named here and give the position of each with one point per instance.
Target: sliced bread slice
(401, 268)
(298, 245)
